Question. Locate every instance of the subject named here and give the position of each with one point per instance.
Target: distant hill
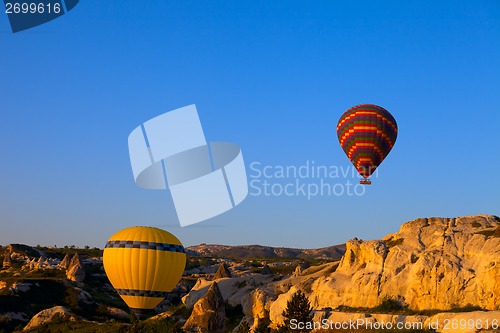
(332, 253)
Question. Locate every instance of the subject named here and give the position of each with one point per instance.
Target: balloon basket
(365, 182)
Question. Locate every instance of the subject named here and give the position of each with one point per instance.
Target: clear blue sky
(271, 76)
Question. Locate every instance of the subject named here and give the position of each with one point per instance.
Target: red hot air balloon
(367, 133)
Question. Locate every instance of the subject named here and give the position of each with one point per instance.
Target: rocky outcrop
(25, 251)
(266, 270)
(7, 260)
(64, 264)
(47, 315)
(429, 264)
(75, 271)
(222, 272)
(11, 316)
(209, 313)
(21, 287)
(84, 297)
(255, 307)
(300, 268)
(233, 290)
(437, 263)
(117, 313)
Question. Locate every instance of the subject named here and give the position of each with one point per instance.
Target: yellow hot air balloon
(143, 264)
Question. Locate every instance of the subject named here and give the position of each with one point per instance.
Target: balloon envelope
(143, 264)
(367, 133)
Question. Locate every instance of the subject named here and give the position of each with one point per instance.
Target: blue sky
(271, 76)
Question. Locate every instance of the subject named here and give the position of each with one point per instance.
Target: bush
(393, 242)
(389, 305)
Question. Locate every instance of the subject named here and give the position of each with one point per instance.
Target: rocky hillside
(331, 253)
(430, 269)
(434, 264)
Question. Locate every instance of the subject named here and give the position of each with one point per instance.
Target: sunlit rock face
(209, 314)
(429, 264)
(435, 263)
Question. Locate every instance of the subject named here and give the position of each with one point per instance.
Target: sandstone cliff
(436, 263)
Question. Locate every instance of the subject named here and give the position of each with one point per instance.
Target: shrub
(389, 305)
(393, 242)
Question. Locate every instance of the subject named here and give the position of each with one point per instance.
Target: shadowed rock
(266, 270)
(222, 272)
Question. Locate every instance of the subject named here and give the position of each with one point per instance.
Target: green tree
(298, 309)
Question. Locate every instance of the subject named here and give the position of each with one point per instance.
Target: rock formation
(255, 307)
(300, 268)
(435, 263)
(65, 262)
(233, 290)
(21, 287)
(22, 250)
(75, 271)
(429, 264)
(7, 260)
(222, 272)
(48, 315)
(40, 263)
(209, 313)
(266, 270)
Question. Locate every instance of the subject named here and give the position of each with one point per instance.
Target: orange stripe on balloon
(358, 145)
(390, 143)
(367, 113)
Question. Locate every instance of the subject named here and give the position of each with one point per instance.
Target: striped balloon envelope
(367, 133)
(143, 264)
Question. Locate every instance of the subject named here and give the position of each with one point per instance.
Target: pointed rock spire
(222, 272)
(65, 262)
(209, 313)
(266, 270)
